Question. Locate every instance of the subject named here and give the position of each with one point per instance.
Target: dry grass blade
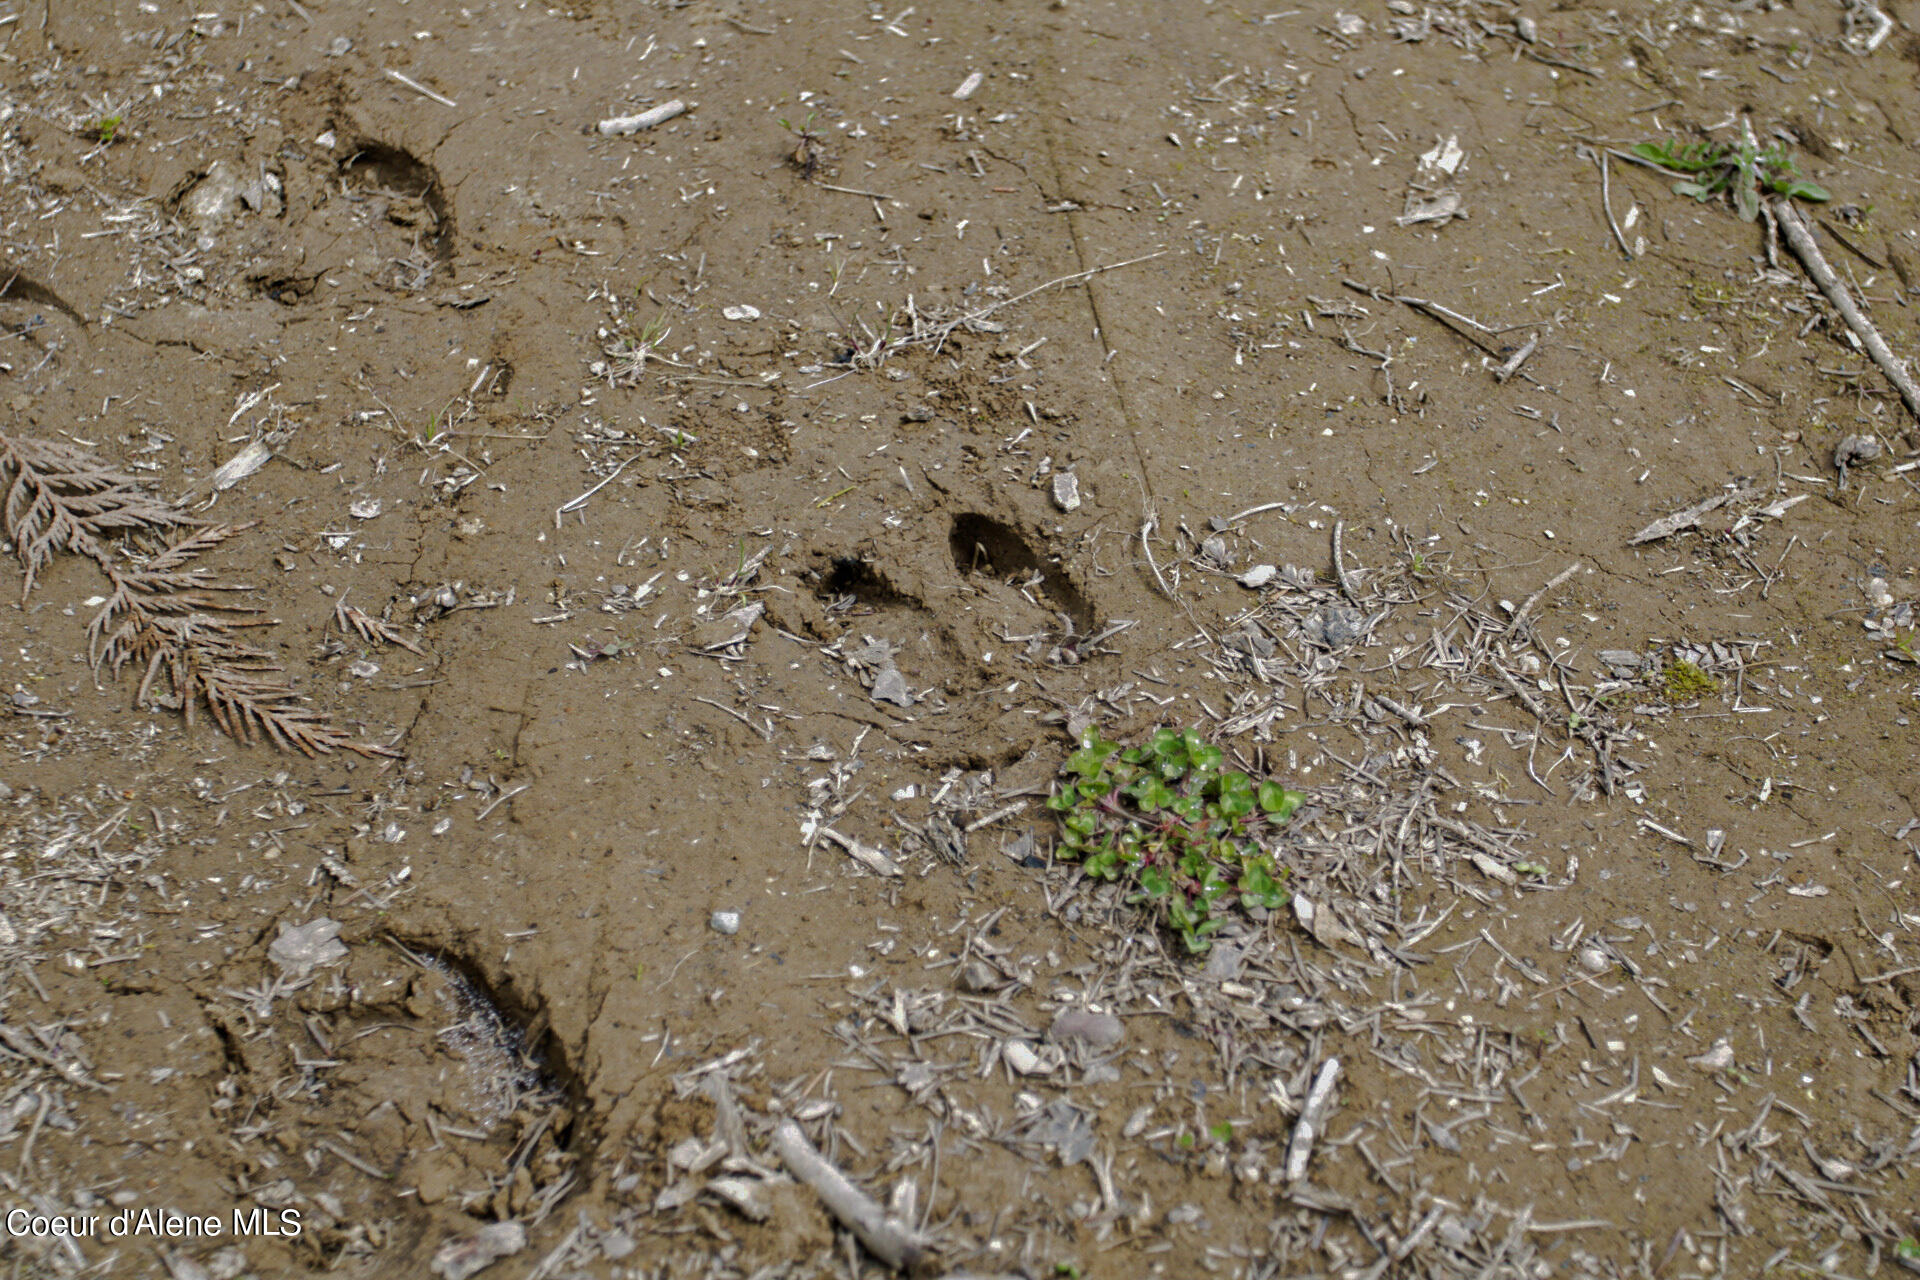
(371, 629)
(60, 497)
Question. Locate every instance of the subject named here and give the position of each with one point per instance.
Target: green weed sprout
(1745, 170)
(1168, 819)
(107, 126)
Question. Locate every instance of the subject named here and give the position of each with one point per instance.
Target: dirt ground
(714, 532)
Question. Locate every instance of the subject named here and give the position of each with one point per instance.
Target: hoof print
(984, 545)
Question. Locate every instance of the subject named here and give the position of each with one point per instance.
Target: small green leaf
(1091, 758)
(1277, 802)
(1155, 883)
(1236, 795)
(1807, 191)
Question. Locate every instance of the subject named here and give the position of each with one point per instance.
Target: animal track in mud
(982, 544)
(416, 1043)
(401, 196)
(36, 325)
(852, 576)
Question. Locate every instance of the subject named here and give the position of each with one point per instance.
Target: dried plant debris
(59, 497)
(175, 621)
(371, 629)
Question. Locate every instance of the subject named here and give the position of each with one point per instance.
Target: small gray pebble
(1852, 451)
(1101, 1030)
(727, 922)
(891, 686)
(978, 977)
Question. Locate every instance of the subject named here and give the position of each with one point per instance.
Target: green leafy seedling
(1190, 837)
(807, 150)
(107, 126)
(1745, 171)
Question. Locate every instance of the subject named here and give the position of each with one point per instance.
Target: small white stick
(1808, 251)
(1526, 606)
(967, 86)
(575, 504)
(401, 77)
(1312, 1117)
(621, 126)
(888, 1239)
(873, 859)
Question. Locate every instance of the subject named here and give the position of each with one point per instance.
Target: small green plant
(1745, 171)
(807, 151)
(1907, 1250)
(1167, 818)
(1682, 681)
(107, 126)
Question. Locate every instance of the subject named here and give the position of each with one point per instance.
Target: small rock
(216, 196)
(1215, 549)
(1337, 628)
(1066, 491)
(300, 949)
(470, 1255)
(1852, 451)
(1224, 962)
(740, 311)
(1594, 958)
(727, 922)
(918, 413)
(1099, 1030)
(617, 1244)
(1718, 1058)
(979, 977)
(365, 509)
(1258, 576)
(891, 686)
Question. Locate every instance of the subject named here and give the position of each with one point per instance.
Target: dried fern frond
(178, 622)
(371, 629)
(239, 686)
(60, 497)
(159, 587)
